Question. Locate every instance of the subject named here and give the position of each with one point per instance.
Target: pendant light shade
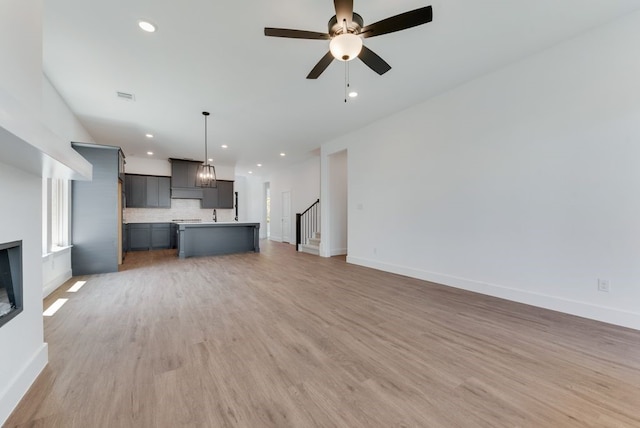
(206, 174)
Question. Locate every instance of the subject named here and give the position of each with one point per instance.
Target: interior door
(286, 216)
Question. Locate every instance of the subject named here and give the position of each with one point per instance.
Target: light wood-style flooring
(285, 339)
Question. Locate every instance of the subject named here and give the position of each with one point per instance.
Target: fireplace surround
(10, 281)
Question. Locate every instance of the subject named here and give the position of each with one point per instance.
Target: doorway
(337, 204)
(267, 209)
(286, 216)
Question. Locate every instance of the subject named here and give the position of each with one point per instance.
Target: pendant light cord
(206, 154)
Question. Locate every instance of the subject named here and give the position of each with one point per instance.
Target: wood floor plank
(286, 339)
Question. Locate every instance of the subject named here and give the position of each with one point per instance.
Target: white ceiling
(213, 55)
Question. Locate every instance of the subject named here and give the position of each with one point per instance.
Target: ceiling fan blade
(295, 34)
(399, 22)
(344, 10)
(373, 61)
(321, 66)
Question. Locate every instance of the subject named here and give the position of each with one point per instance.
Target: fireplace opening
(10, 281)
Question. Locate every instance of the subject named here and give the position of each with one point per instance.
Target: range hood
(183, 179)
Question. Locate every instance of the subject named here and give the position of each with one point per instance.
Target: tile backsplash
(180, 209)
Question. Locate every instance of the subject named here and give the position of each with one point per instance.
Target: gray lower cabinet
(139, 236)
(173, 239)
(160, 236)
(125, 238)
(151, 236)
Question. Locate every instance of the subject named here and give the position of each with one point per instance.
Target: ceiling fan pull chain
(346, 79)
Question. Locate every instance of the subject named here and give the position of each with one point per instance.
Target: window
(56, 214)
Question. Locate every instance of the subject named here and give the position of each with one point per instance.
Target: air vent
(126, 96)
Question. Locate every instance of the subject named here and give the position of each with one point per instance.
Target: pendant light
(206, 175)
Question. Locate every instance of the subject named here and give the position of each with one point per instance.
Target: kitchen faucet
(215, 216)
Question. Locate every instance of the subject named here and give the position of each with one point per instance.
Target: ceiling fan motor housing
(353, 27)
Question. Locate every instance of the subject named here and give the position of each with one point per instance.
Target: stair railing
(307, 224)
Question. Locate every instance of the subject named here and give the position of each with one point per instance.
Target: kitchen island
(211, 238)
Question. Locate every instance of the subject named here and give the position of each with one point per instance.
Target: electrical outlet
(375, 251)
(604, 285)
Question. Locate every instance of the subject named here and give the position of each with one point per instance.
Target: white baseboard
(275, 238)
(56, 282)
(12, 393)
(572, 307)
(338, 252)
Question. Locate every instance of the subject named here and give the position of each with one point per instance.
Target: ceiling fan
(346, 31)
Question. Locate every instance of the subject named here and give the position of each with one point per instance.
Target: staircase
(312, 246)
(308, 230)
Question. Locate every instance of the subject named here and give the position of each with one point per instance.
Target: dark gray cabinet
(136, 191)
(125, 238)
(225, 194)
(139, 236)
(147, 191)
(173, 238)
(94, 215)
(160, 236)
(219, 197)
(209, 198)
(164, 192)
(151, 236)
(152, 188)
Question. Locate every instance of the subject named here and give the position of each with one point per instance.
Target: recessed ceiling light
(224, 146)
(258, 164)
(210, 160)
(250, 172)
(353, 94)
(147, 26)
(150, 153)
(148, 135)
(283, 154)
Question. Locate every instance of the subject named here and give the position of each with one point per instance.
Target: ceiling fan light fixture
(345, 47)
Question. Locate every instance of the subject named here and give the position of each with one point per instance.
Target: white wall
(251, 203)
(303, 180)
(24, 352)
(56, 270)
(147, 166)
(21, 49)
(337, 204)
(57, 116)
(41, 129)
(521, 184)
